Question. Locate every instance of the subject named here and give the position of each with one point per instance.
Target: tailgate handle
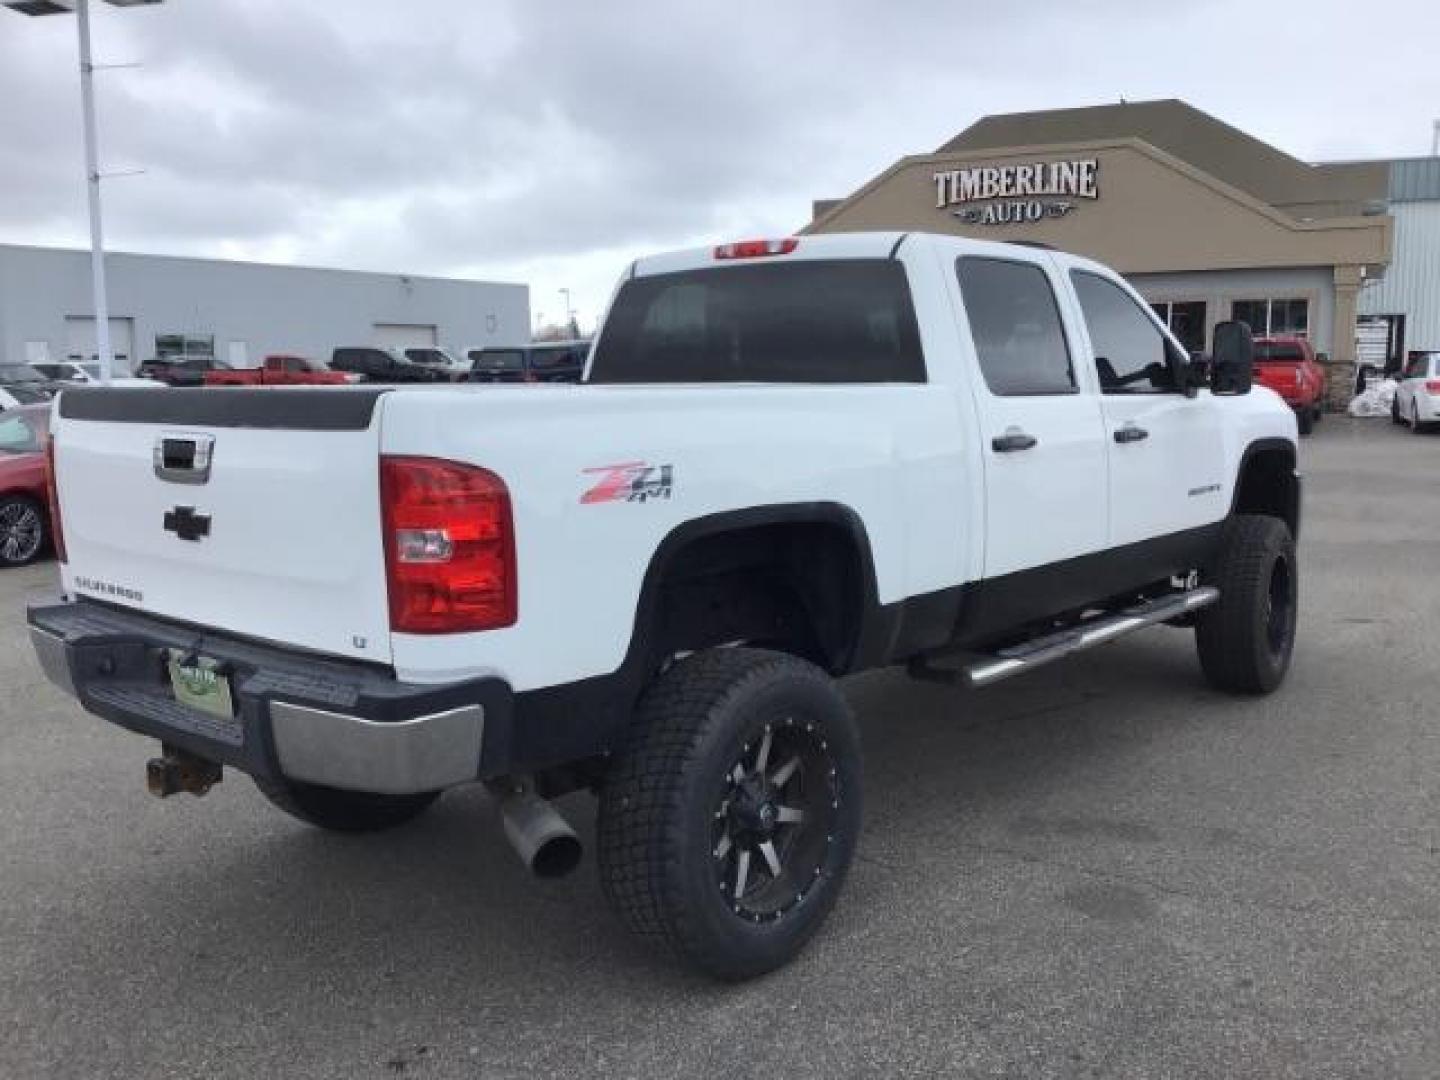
(183, 458)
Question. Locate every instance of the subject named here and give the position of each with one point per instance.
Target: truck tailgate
(279, 538)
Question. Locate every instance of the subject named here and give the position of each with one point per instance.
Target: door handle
(1012, 441)
(1130, 433)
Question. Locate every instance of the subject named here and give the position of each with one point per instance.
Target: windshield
(806, 321)
(19, 373)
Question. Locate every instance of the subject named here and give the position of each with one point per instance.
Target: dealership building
(1208, 223)
(238, 312)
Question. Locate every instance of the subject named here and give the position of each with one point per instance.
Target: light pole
(81, 9)
(569, 312)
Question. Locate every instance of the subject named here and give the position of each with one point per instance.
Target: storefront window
(184, 346)
(1186, 320)
(1271, 318)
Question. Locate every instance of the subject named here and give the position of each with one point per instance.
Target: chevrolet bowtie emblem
(185, 523)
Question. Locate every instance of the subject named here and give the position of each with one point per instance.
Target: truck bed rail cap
(296, 408)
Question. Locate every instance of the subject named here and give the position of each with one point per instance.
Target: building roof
(1302, 190)
(1415, 180)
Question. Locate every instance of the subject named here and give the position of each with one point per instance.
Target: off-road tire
(1247, 638)
(343, 811)
(658, 812)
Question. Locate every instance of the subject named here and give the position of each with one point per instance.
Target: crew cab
(179, 370)
(1288, 366)
(281, 370)
(386, 365)
(790, 460)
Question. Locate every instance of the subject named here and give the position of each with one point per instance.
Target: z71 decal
(633, 481)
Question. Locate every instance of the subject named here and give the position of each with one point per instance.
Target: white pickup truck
(790, 460)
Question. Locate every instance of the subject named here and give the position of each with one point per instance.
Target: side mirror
(1233, 358)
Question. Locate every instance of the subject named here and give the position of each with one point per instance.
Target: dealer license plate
(200, 686)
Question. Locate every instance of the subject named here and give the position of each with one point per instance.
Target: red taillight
(449, 546)
(753, 249)
(1432, 386)
(52, 496)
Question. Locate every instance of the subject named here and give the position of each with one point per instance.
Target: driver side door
(1164, 449)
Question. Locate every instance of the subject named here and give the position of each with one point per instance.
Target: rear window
(571, 356)
(1268, 353)
(498, 360)
(821, 321)
(357, 356)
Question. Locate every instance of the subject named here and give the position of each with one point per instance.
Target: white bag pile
(1375, 400)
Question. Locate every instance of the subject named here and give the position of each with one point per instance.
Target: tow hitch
(177, 771)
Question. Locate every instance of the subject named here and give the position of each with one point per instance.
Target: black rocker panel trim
(1003, 606)
(319, 408)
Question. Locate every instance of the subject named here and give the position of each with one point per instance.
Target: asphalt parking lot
(1103, 870)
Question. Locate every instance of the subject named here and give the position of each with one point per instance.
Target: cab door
(1046, 490)
(1165, 449)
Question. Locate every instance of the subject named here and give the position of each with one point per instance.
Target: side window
(1016, 326)
(1132, 356)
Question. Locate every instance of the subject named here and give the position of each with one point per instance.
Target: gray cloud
(550, 142)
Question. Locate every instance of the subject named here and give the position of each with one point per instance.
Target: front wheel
(728, 822)
(1247, 637)
(343, 811)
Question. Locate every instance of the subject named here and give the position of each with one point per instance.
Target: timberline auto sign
(1016, 194)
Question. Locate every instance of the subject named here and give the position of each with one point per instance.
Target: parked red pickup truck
(280, 371)
(1288, 366)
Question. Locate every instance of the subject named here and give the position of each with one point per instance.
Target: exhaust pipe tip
(544, 840)
(556, 857)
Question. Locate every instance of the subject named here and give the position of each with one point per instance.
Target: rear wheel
(1305, 419)
(728, 822)
(22, 530)
(1246, 639)
(340, 810)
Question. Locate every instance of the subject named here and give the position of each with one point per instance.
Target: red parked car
(1288, 366)
(24, 514)
(280, 370)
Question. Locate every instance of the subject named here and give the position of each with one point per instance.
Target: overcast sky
(550, 142)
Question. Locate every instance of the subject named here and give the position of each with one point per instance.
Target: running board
(1042, 650)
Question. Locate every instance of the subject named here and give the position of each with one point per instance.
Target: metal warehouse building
(1206, 221)
(238, 312)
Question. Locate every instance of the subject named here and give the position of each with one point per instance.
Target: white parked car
(1417, 397)
(88, 374)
